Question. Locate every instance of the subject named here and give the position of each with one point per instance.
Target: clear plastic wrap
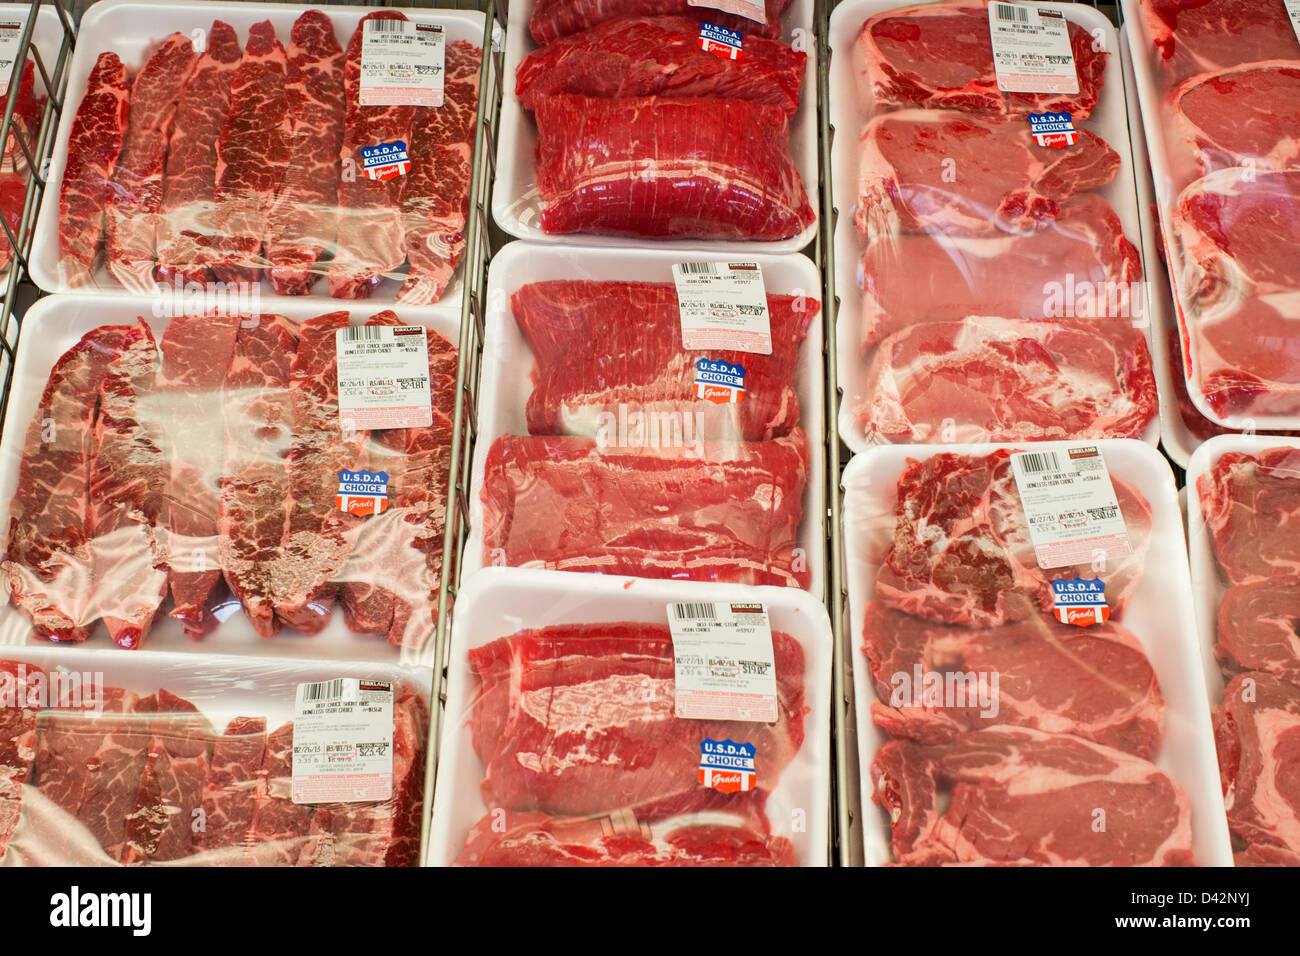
(550, 20)
(971, 689)
(998, 296)
(543, 778)
(1241, 492)
(233, 152)
(172, 471)
(152, 761)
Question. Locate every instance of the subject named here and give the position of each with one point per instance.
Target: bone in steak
(939, 56)
(93, 145)
(552, 19)
(909, 280)
(1258, 628)
(961, 551)
(1093, 682)
(668, 167)
(1248, 502)
(1199, 36)
(1006, 181)
(571, 504)
(608, 347)
(1012, 795)
(1247, 115)
(659, 56)
(986, 379)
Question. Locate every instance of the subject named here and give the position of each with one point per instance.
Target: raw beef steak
(1248, 502)
(960, 175)
(279, 827)
(1093, 682)
(961, 551)
(544, 747)
(552, 19)
(230, 791)
(659, 56)
(604, 348)
(939, 56)
(668, 167)
(574, 504)
(1015, 796)
(1257, 730)
(1244, 116)
(20, 685)
(1007, 380)
(1258, 628)
(909, 280)
(1199, 36)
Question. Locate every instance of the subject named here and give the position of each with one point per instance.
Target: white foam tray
(849, 114)
(497, 602)
(515, 204)
(1159, 613)
(508, 363)
(52, 326)
(129, 28)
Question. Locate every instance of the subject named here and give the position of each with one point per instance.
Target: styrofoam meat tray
(1159, 613)
(508, 362)
(849, 114)
(515, 204)
(130, 28)
(52, 326)
(498, 602)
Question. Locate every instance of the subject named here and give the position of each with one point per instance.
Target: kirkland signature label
(343, 741)
(723, 306)
(1071, 507)
(724, 665)
(383, 373)
(1031, 49)
(403, 63)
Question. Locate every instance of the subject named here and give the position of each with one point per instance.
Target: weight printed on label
(403, 63)
(383, 375)
(723, 662)
(343, 742)
(1070, 506)
(11, 34)
(723, 306)
(1031, 49)
(749, 9)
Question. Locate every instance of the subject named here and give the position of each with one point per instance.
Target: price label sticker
(749, 9)
(723, 662)
(723, 306)
(1293, 9)
(1031, 49)
(11, 35)
(403, 63)
(1070, 504)
(383, 376)
(343, 741)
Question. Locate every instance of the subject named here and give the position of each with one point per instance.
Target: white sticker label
(1031, 49)
(402, 63)
(11, 34)
(749, 9)
(723, 306)
(1070, 504)
(343, 741)
(1293, 8)
(723, 661)
(383, 374)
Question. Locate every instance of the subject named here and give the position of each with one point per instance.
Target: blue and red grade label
(1053, 129)
(385, 160)
(1080, 601)
(727, 766)
(362, 492)
(720, 41)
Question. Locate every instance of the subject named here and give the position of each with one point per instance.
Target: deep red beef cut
(1015, 796)
(1198, 36)
(668, 168)
(939, 56)
(93, 144)
(988, 379)
(659, 56)
(552, 19)
(1246, 115)
(961, 551)
(569, 504)
(1248, 502)
(1093, 682)
(1259, 628)
(1007, 183)
(545, 748)
(230, 791)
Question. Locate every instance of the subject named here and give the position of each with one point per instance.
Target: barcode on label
(325, 690)
(1010, 14)
(386, 26)
(358, 333)
(1040, 461)
(699, 268)
(695, 612)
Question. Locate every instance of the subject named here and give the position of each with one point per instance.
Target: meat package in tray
(1220, 90)
(990, 730)
(188, 481)
(1242, 493)
(244, 144)
(990, 288)
(533, 773)
(596, 451)
(150, 760)
(620, 127)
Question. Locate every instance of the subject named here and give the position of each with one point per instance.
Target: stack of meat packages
(1001, 296)
(108, 776)
(19, 151)
(641, 132)
(1247, 502)
(1013, 738)
(205, 469)
(1226, 101)
(216, 164)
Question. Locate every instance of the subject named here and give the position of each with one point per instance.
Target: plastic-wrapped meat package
(552, 19)
(999, 714)
(999, 296)
(1200, 36)
(112, 767)
(19, 149)
(183, 469)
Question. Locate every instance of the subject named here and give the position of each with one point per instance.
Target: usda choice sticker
(1080, 601)
(1070, 506)
(720, 41)
(727, 766)
(1053, 129)
(362, 492)
(722, 383)
(385, 161)
(723, 306)
(724, 667)
(343, 741)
